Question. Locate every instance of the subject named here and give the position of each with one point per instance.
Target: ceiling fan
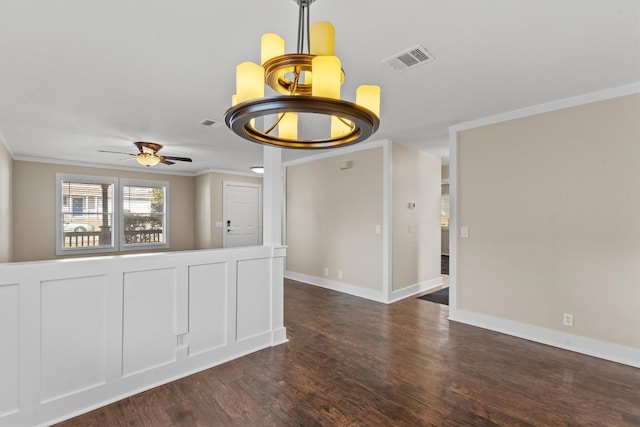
(148, 154)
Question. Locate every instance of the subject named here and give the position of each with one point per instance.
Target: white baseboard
(279, 336)
(371, 294)
(416, 289)
(579, 344)
(107, 394)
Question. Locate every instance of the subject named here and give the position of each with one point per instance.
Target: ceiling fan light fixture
(308, 84)
(148, 159)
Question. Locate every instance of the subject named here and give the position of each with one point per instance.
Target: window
(444, 206)
(143, 214)
(104, 214)
(78, 228)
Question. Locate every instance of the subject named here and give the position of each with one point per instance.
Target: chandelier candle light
(308, 84)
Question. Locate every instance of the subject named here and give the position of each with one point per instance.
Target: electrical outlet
(339, 274)
(567, 319)
(326, 271)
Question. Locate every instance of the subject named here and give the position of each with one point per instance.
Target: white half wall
(81, 333)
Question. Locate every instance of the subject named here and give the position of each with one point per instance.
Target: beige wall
(552, 203)
(332, 216)
(34, 186)
(209, 201)
(6, 179)
(416, 232)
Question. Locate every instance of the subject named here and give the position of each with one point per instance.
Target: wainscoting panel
(73, 335)
(149, 320)
(9, 354)
(207, 307)
(253, 316)
(79, 333)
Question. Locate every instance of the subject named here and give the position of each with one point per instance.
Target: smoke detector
(409, 58)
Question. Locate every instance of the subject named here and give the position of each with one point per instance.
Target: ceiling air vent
(409, 58)
(212, 123)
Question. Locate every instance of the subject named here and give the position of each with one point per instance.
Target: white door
(242, 207)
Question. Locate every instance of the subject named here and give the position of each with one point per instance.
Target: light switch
(378, 229)
(464, 232)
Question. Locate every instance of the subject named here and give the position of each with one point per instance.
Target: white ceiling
(77, 76)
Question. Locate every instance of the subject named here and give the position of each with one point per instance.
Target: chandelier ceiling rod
(303, 25)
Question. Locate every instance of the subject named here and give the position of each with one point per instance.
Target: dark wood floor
(352, 362)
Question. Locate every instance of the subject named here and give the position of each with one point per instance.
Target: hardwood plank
(353, 362)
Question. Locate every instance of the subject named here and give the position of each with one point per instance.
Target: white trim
(284, 207)
(358, 291)
(576, 343)
(272, 196)
(415, 289)
(99, 165)
(279, 336)
(147, 170)
(387, 220)
(224, 207)
(592, 347)
(255, 345)
(453, 221)
(338, 152)
(228, 172)
(4, 142)
(549, 106)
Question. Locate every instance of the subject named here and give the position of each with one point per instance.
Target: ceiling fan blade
(148, 147)
(165, 161)
(179, 159)
(117, 152)
(140, 147)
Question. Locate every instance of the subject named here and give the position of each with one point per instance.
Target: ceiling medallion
(308, 85)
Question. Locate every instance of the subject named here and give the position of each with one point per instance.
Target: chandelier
(307, 86)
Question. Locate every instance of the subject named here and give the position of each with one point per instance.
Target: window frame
(165, 224)
(88, 179)
(117, 221)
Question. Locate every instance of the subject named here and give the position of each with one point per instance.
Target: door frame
(225, 184)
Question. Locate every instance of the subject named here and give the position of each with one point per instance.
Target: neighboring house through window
(143, 213)
(104, 214)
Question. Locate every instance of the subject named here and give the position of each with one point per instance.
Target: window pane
(87, 214)
(144, 215)
(444, 206)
